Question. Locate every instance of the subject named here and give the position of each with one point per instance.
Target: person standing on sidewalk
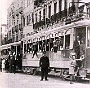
(44, 64)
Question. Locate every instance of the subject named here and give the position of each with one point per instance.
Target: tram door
(87, 61)
(80, 36)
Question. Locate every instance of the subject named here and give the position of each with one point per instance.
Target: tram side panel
(87, 59)
(58, 60)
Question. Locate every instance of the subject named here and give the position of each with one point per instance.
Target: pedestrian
(44, 64)
(14, 63)
(3, 64)
(72, 66)
(7, 65)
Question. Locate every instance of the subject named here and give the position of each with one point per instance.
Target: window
(67, 41)
(55, 7)
(88, 11)
(43, 13)
(88, 37)
(60, 1)
(49, 12)
(36, 17)
(40, 16)
(32, 18)
(28, 19)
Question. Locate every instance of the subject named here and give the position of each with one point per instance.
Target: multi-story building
(48, 13)
(28, 16)
(4, 32)
(15, 21)
(19, 23)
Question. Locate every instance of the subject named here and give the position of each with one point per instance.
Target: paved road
(10, 80)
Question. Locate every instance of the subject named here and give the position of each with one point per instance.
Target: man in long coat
(44, 64)
(76, 47)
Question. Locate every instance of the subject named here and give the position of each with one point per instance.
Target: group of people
(45, 45)
(77, 57)
(12, 62)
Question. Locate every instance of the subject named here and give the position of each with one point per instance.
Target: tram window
(51, 43)
(67, 41)
(88, 37)
(4, 52)
(47, 45)
(60, 42)
(43, 45)
(24, 48)
(29, 47)
(40, 45)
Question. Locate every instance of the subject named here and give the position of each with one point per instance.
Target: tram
(8, 49)
(59, 58)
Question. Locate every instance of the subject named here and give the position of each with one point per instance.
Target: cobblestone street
(10, 80)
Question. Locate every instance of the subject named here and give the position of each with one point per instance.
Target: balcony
(21, 10)
(38, 3)
(39, 24)
(16, 28)
(17, 12)
(64, 17)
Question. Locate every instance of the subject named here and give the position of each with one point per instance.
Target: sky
(4, 4)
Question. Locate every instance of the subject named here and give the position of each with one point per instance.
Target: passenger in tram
(35, 48)
(55, 47)
(43, 46)
(76, 47)
(47, 45)
(82, 52)
(51, 43)
(30, 48)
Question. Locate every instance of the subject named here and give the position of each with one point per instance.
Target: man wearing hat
(44, 64)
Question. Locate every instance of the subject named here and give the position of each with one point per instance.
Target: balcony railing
(67, 16)
(37, 3)
(16, 28)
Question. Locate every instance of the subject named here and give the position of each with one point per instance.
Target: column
(57, 6)
(47, 10)
(62, 5)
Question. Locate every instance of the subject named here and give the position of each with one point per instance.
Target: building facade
(4, 32)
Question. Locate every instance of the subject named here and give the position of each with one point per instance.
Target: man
(44, 64)
(76, 47)
(14, 63)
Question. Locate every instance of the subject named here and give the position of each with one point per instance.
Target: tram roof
(8, 45)
(84, 22)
